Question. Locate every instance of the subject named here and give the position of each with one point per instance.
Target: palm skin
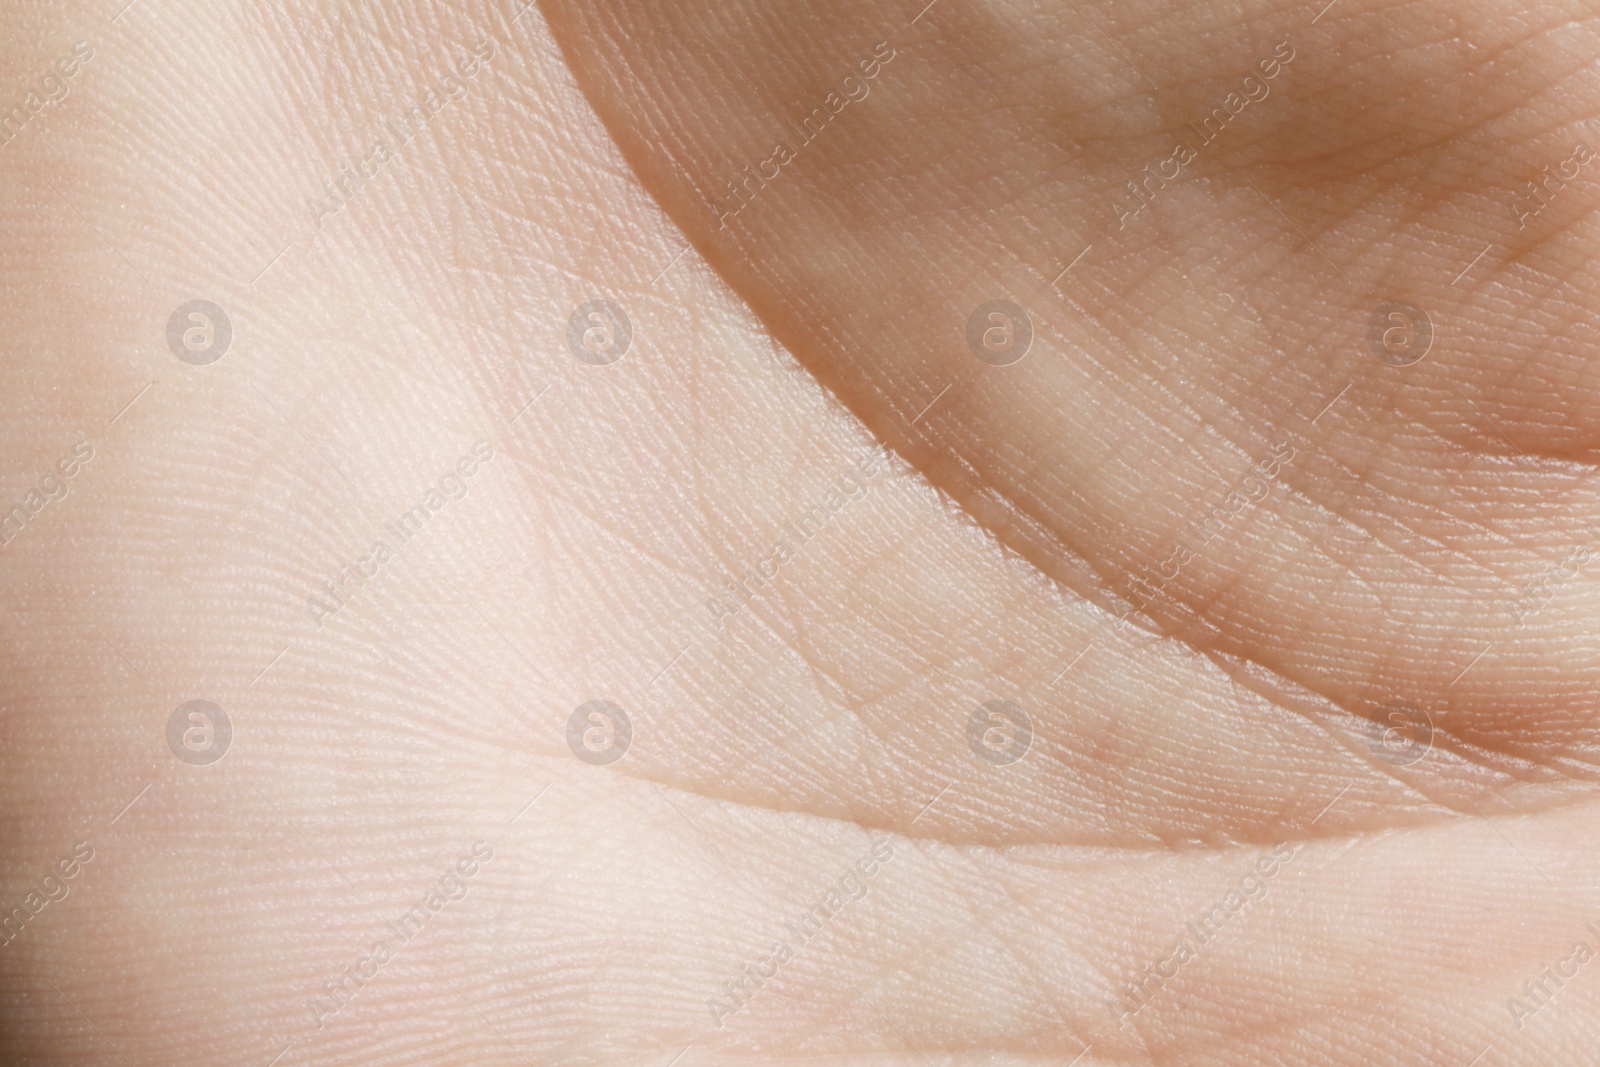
(1220, 846)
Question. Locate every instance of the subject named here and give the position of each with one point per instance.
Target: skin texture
(1213, 760)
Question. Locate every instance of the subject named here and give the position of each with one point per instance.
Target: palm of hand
(1182, 690)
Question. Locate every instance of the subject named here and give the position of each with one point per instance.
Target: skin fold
(1301, 627)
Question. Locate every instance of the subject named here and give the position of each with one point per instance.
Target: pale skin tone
(1233, 753)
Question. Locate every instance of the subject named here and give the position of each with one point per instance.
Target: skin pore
(1300, 629)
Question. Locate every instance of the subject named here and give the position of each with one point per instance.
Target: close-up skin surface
(701, 532)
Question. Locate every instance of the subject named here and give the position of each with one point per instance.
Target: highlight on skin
(972, 532)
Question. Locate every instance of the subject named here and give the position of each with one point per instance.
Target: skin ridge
(1505, 769)
(1499, 756)
(537, 978)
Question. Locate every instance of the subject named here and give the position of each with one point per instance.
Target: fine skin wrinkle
(1006, 591)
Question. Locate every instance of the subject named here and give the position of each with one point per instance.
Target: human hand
(1289, 588)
